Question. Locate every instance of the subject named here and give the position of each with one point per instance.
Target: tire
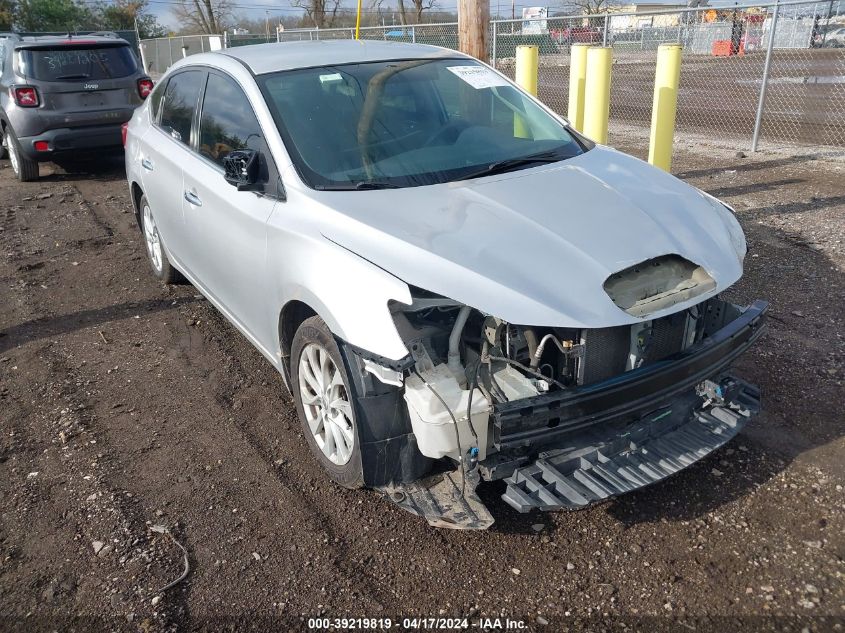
(3, 152)
(24, 167)
(334, 439)
(154, 246)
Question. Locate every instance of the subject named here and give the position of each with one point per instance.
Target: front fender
(349, 293)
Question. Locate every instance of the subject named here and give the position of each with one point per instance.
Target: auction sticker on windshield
(478, 76)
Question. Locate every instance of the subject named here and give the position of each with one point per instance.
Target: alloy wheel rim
(13, 153)
(325, 401)
(152, 239)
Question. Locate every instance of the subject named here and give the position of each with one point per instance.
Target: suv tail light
(145, 87)
(25, 96)
(123, 130)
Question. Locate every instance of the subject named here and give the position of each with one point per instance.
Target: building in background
(636, 15)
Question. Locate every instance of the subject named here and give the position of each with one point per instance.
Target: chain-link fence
(231, 40)
(723, 73)
(804, 86)
(160, 53)
(443, 34)
(727, 88)
(773, 73)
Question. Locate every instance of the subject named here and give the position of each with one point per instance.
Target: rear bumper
(64, 141)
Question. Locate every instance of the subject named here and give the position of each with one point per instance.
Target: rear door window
(75, 63)
(155, 101)
(227, 122)
(180, 102)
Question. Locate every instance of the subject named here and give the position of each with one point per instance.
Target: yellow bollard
(527, 67)
(577, 79)
(527, 71)
(357, 21)
(597, 93)
(667, 76)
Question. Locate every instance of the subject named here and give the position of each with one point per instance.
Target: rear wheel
(24, 167)
(155, 248)
(325, 402)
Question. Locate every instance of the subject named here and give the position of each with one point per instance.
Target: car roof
(268, 58)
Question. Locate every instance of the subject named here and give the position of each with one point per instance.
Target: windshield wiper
(357, 186)
(503, 166)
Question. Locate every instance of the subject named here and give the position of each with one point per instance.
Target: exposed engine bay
(507, 401)
(458, 351)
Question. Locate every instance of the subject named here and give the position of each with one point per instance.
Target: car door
(164, 149)
(227, 227)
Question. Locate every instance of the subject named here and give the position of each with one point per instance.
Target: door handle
(147, 164)
(193, 198)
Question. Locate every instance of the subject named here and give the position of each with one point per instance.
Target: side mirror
(242, 169)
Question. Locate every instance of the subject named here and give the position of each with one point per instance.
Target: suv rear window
(74, 63)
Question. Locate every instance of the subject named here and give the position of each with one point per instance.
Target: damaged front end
(567, 417)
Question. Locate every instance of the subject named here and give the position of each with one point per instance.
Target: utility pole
(473, 24)
(827, 26)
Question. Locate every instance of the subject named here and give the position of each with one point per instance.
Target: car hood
(535, 246)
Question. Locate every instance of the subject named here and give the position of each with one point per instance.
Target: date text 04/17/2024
(417, 623)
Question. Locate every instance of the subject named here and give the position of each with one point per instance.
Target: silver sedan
(455, 285)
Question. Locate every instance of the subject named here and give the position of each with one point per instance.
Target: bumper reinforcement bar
(563, 481)
(550, 418)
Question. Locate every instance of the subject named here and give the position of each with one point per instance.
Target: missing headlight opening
(570, 416)
(656, 284)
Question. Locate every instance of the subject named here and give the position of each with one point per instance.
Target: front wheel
(325, 402)
(24, 167)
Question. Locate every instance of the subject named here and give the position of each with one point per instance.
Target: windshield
(409, 123)
(71, 63)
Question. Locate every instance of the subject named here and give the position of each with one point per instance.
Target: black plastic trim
(75, 139)
(389, 452)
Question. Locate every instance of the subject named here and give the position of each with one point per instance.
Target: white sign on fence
(534, 20)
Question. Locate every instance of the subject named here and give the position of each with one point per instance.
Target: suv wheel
(25, 168)
(155, 248)
(325, 402)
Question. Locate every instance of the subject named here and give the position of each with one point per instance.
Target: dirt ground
(127, 408)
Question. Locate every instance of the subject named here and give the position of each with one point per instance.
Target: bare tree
(204, 16)
(321, 12)
(403, 18)
(589, 7)
(422, 5)
(378, 9)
